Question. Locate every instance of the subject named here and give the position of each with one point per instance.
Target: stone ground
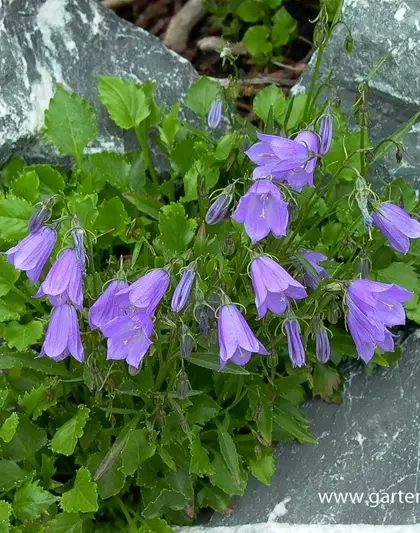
(369, 445)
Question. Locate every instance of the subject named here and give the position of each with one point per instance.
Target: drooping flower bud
(363, 264)
(349, 43)
(79, 244)
(219, 209)
(183, 386)
(187, 343)
(326, 134)
(183, 290)
(39, 218)
(215, 114)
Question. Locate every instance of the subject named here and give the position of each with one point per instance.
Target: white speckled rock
(378, 27)
(370, 445)
(45, 42)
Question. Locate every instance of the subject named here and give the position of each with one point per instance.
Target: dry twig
(176, 36)
(216, 44)
(114, 4)
(262, 80)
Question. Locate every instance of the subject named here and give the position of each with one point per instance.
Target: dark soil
(155, 15)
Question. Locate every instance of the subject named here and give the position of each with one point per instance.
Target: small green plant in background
(97, 438)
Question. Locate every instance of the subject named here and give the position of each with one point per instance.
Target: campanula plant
(160, 330)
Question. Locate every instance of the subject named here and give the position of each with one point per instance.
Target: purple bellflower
(297, 352)
(79, 246)
(215, 114)
(303, 175)
(326, 134)
(372, 307)
(314, 258)
(129, 337)
(322, 345)
(397, 226)
(64, 281)
(105, 308)
(33, 252)
(63, 335)
(183, 290)
(39, 218)
(236, 339)
(263, 209)
(276, 154)
(146, 293)
(273, 286)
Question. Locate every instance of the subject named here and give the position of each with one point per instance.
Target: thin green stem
(28, 299)
(127, 516)
(144, 144)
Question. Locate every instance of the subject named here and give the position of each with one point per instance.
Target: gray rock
(379, 27)
(369, 445)
(45, 42)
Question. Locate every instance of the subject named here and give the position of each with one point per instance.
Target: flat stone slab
(369, 448)
(379, 27)
(45, 42)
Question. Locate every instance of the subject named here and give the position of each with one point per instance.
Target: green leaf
(11, 475)
(65, 523)
(29, 360)
(112, 480)
(326, 381)
(66, 437)
(225, 146)
(84, 206)
(263, 468)
(400, 274)
(225, 480)
(51, 181)
(170, 126)
(70, 123)
(293, 426)
(214, 497)
(8, 276)
(155, 525)
(166, 499)
(83, 496)
(39, 399)
(212, 361)
(400, 190)
(203, 409)
(261, 412)
(284, 27)
(11, 309)
(5, 512)
(125, 101)
(14, 217)
(270, 98)
(137, 449)
(201, 95)
(26, 186)
(230, 455)
(191, 185)
(397, 136)
(112, 217)
(251, 11)
(199, 459)
(27, 440)
(166, 458)
(176, 230)
(256, 41)
(144, 203)
(8, 428)
(21, 336)
(30, 501)
(107, 167)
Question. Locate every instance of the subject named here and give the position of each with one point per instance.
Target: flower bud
(39, 218)
(320, 33)
(219, 209)
(183, 386)
(187, 343)
(326, 134)
(215, 114)
(349, 43)
(183, 290)
(333, 312)
(203, 319)
(229, 247)
(363, 264)
(79, 245)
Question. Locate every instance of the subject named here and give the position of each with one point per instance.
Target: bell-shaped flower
(129, 337)
(372, 307)
(105, 308)
(237, 341)
(263, 210)
(273, 286)
(326, 134)
(215, 114)
(146, 293)
(322, 345)
(297, 351)
(33, 252)
(397, 226)
(312, 279)
(39, 218)
(183, 290)
(63, 335)
(64, 281)
(219, 209)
